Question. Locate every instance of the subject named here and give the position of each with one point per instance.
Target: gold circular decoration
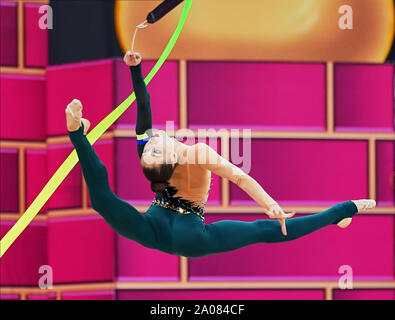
(291, 30)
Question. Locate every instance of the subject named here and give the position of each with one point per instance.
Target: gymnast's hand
(275, 212)
(132, 58)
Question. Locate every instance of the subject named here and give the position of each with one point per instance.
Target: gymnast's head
(159, 160)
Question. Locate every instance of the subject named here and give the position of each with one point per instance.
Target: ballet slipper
(362, 205)
(74, 109)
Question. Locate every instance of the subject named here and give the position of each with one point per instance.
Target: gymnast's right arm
(144, 116)
(208, 158)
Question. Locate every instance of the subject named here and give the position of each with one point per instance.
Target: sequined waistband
(180, 210)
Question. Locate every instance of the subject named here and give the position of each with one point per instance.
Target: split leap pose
(180, 175)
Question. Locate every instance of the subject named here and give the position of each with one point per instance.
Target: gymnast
(180, 177)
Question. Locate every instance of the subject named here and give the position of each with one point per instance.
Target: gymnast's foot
(74, 117)
(362, 205)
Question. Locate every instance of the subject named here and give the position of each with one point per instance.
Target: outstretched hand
(132, 58)
(275, 212)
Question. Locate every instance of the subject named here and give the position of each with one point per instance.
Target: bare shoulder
(200, 146)
(193, 152)
(197, 147)
(203, 149)
(202, 155)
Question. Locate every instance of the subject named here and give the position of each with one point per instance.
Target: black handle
(161, 10)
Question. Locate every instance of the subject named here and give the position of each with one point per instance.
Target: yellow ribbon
(92, 137)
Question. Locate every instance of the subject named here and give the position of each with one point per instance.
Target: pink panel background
(90, 82)
(138, 263)
(8, 34)
(48, 296)
(385, 168)
(35, 174)
(20, 264)
(89, 295)
(36, 39)
(133, 186)
(9, 180)
(163, 90)
(251, 95)
(9, 297)
(22, 100)
(81, 249)
(306, 172)
(69, 193)
(367, 245)
(220, 294)
(364, 97)
(364, 294)
(105, 150)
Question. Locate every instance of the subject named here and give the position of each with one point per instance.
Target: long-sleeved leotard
(186, 234)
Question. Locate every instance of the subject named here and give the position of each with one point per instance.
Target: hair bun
(158, 186)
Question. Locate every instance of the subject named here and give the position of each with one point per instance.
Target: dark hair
(159, 176)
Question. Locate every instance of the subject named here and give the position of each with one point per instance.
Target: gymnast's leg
(120, 215)
(228, 235)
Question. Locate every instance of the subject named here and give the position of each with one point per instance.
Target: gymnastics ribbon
(92, 137)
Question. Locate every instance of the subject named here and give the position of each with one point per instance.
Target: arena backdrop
(286, 30)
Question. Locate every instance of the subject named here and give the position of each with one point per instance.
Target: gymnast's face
(160, 149)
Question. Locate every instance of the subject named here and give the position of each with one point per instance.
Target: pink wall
(35, 175)
(8, 34)
(305, 172)
(105, 151)
(364, 99)
(89, 295)
(22, 99)
(266, 96)
(365, 245)
(138, 263)
(69, 193)
(385, 164)
(131, 185)
(90, 82)
(20, 265)
(364, 294)
(36, 39)
(9, 183)
(9, 297)
(112, 79)
(81, 249)
(163, 91)
(231, 294)
(48, 296)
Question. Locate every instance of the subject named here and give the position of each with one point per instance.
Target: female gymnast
(180, 176)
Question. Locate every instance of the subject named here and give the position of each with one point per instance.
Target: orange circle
(303, 30)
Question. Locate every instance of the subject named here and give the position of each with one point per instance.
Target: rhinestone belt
(168, 205)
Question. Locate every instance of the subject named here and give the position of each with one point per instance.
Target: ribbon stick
(161, 10)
